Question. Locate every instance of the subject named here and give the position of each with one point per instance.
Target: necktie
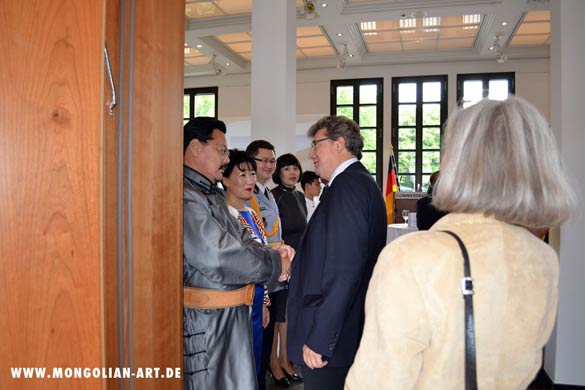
(266, 193)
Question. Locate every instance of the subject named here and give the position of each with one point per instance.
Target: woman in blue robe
(239, 181)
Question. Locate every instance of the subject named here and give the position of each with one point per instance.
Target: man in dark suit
(335, 258)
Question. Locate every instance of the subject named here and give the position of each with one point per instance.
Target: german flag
(391, 187)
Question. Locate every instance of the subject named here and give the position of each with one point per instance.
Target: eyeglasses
(314, 143)
(265, 160)
(221, 149)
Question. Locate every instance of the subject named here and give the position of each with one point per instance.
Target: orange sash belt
(203, 298)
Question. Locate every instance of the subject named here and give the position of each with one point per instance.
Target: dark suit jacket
(427, 214)
(333, 266)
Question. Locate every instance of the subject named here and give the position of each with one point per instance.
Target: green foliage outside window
(407, 140)
(345, 111)
(369, 161)
(205, 105)
(369, 137)
(345, 95)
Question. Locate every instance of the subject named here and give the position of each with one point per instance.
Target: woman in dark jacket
(293, 215)
(291, 203)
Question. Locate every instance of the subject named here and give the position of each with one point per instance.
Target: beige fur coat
(414, 337)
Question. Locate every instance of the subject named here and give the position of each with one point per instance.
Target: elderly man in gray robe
(221, 264)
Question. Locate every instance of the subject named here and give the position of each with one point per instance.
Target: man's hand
(265, 316)
(313, 359)
(286, 256)
(285, 251)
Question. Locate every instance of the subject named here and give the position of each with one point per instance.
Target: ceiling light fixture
(227, 64)
(504, 23)
(342, 58)
(324, 5)
(501, 58)
(339, 34)
(199, 46)
(215, 66)
(308, 10)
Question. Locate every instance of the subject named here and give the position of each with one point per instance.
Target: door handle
(114, 101)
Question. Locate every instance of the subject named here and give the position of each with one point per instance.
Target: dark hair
(284, 161)
(201, 128)
(240, 159)
(432, 181)
(255, 146)
(340, 126)
(307, 178)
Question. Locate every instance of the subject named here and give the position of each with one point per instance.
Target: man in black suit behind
(335, 258)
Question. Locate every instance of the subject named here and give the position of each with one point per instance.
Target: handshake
(287, 253)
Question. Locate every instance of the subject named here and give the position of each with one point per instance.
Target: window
(471, 88)
(361, 100)
(419, 109)
(199, 102)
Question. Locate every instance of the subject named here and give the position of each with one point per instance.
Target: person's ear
(340, 144)
(195, 147)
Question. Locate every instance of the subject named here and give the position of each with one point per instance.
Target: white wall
(565, 352)
(312, 95)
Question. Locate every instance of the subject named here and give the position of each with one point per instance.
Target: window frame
(418, 80)
(356, 83)
(485, 78)
(192, 92)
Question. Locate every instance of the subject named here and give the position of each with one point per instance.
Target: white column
(273, 82)
(565, 352)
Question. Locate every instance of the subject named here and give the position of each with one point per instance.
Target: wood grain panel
(157, 187)
(50, 123)
(111, 321)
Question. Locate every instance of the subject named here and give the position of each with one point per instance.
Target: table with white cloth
(396, 230)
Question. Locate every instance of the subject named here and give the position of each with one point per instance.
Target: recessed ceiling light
(491, 48)
(504, 23)
(227, 64)
(199, 46)
(418, 14)
(339, 34)
(324, 5)
(351, 55)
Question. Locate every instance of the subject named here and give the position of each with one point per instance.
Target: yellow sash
(256, 208)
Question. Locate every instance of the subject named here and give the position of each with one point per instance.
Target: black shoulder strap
(467, 291)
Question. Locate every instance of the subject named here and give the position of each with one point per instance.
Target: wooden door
(50, 123)
(91, 210)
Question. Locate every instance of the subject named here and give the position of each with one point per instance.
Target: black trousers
(326, 378)
(267, 337)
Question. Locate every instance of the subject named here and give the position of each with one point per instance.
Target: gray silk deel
(218, 253)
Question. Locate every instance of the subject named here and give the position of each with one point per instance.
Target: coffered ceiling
(345, 33)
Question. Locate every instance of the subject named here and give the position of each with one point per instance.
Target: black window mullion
(356, 83)
(418, 131)
(193, 92)
(192, 106)
(418, 148)
(485, 79)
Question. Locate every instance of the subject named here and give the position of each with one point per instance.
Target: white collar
(261, 187)
(340, 168)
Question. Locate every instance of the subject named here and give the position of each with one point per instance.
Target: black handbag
(467, 291)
